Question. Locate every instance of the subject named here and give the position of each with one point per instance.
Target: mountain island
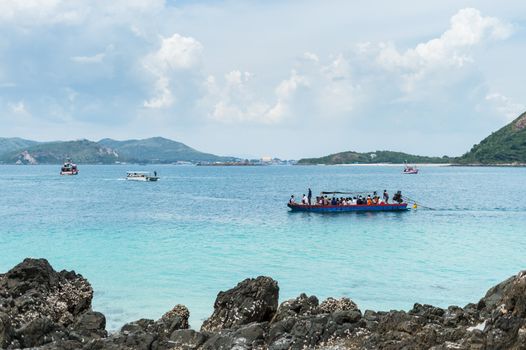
(506, 146)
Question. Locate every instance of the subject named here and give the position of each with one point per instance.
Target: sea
(146, 247)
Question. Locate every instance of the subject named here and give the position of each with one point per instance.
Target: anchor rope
(409, 199)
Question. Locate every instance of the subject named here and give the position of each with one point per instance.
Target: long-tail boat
(398, 205)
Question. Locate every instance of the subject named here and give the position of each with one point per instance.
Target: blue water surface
(148, 246)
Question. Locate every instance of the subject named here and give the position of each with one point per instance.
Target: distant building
(266, 159)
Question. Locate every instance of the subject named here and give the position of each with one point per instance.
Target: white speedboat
(141, 176)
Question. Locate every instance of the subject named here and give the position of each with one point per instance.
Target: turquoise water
(148, 246)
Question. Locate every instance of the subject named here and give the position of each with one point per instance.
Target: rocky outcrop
(253, 300)
(44, 309)
(39, 305)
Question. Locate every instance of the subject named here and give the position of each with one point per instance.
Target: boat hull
(144, 179)
(347, 208)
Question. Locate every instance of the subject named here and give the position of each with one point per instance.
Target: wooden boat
(347, 208)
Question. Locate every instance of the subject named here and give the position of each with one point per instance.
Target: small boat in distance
(141, 176)
(69, 168)
(410, 169)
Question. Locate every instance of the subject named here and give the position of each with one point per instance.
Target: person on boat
(398, 197)
(292, 200)
(309, 195)
(304, 199)
(333, 201)
(369, 200)
(155, 173)
(386, 197)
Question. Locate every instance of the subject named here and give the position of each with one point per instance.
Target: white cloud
(31, 13)
(285, 92)
(506, 106)
(311, 57)
(288, 87)
(338, 93)
(177, 53)
(98, 58)
(236, 101)
(451, 50)
(36, 12)
(164, 97)
(18, 108)
(236, 78)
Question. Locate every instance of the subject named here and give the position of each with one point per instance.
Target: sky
(287, 79)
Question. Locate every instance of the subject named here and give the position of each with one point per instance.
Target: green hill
(505, 146)
(158, 150)
(351, 157)
(81, 151)
(106, 151)
(14, 143)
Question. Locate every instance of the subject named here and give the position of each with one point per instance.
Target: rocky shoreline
(41, 308)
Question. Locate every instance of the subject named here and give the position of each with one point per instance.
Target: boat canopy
(345, 192)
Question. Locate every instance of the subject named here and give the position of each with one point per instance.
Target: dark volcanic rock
(155, 335)
(91, 324)
(177, 318)
(6, 332)
(302, 305)
(44, 309)
(251, 336)
(186, 339)
(32, 289)
(39, 305)
(39, 331)
(302, 323)
(253, 300)
(331, 305)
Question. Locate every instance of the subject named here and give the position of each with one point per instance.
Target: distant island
(377, 157)
(506, 146)
(157, 150)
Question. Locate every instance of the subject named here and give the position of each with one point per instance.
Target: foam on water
(148, 246)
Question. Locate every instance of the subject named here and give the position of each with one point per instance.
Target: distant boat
(69, 168)
(410, 169)
(141, 176)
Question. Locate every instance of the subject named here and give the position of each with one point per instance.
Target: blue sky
(252, 78)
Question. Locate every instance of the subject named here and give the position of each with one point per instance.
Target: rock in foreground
(44, 309)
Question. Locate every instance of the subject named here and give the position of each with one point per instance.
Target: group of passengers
(358, 200)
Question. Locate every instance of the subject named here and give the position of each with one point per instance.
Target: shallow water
(148, 246)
